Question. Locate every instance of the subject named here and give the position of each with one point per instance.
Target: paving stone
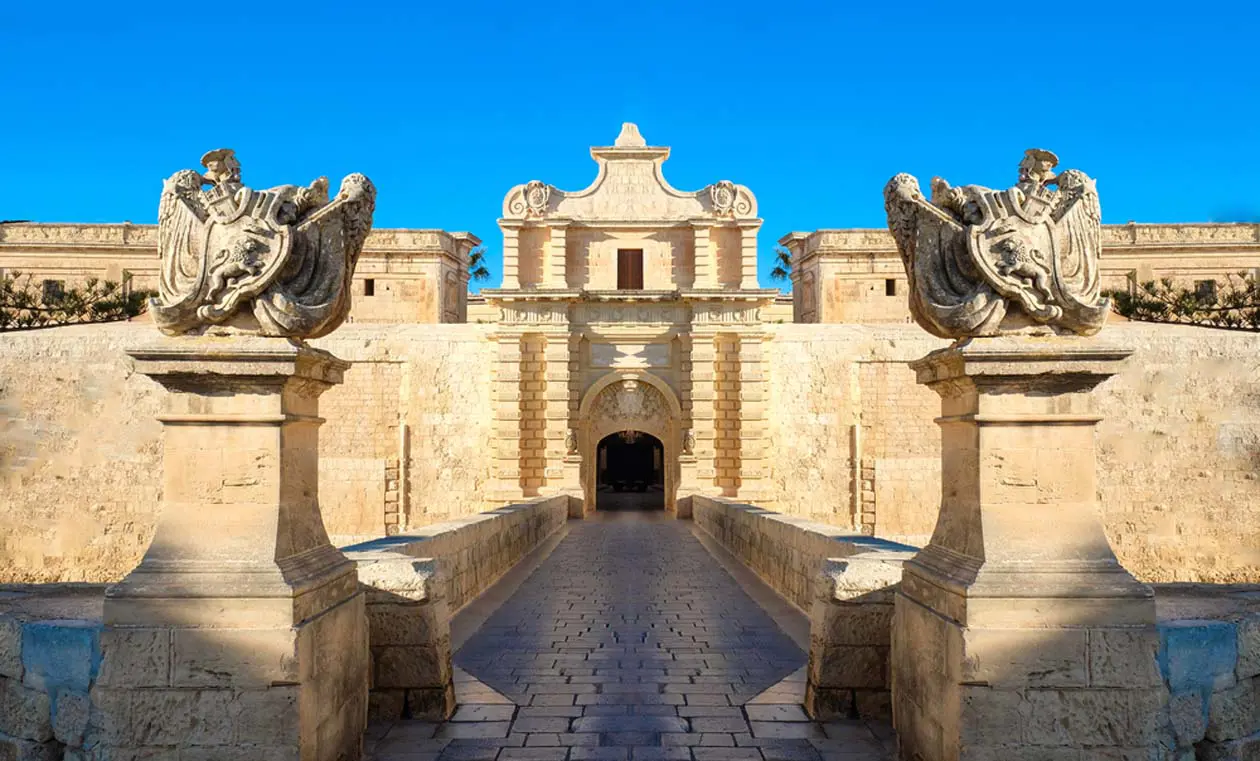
(484, 713)
(629, 643)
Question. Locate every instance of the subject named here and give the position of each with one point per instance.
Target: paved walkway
(629, 641)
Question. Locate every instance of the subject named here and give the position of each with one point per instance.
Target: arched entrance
(629, 401)
(630, 472)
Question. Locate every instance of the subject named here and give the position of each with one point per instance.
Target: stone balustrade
(842, 579)
(417, 581)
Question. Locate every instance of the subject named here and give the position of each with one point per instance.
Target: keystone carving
(274, 262)
(985, 262)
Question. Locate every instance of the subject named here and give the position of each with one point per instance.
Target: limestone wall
(1178, 449)
(404, 443)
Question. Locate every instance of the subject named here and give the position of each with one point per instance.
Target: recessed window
(54, 290)
(369, 287)
(890, 287)
(1205, 290)
(629, 269)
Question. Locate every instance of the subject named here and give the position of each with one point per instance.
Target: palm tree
(477, 264)
(782, 264)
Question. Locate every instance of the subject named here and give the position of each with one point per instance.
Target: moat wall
(852, 442)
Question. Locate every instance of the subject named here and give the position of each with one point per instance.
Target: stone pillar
(507, 419)
(556, 412)
(511, 255)
(703, 413)
(242, 631)
(706, 256)
(1017, 632)
(557, 259)
(748, 255)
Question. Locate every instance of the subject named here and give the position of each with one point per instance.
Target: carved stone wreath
(537, 194)
(722, 196)
(627, 403)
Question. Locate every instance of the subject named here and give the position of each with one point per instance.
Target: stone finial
(630, 137)
(987, 262)
(274, 262)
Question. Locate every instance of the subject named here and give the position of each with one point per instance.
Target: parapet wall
(854, 443)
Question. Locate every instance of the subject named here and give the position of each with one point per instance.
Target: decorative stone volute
(274, 262)
(985, 262)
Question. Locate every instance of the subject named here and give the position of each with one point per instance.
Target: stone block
(386, 705)
(404, 624)
(61, 654)
(1106, 718)
(1124, 658)
(823, 703)
(848, 666)
(411, 667)
(1249, 647)
(210, 657)
(109, 717)
(1244, 749)
(1026, 657)
(853, 623)
(265, 717)
(991, 717)
(1233, 713)
(10, 647)
(19, 749)
(1195, 654)
(135, 657)
(1188, 712)
(25, 713)
(181, 717)
(70, 717)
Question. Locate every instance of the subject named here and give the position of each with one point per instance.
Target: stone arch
(636, 401)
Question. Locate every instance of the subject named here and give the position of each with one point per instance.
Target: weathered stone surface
(1124, 658)
(1249, 647)
(70, 717)
(1234, 712)
(412, 667)
(1188, 712)
(1016, 657)
(25, 713)
(18, 749)
(10, 647)
(181, 717)
(135, 657)
(1198, 654)
(233, 657)
(60, 654)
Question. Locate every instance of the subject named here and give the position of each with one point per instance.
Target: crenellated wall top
(630, 187)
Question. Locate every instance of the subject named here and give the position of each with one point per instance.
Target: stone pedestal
(242, 633)
(1017, 632)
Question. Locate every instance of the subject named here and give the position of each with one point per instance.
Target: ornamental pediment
(630, 187)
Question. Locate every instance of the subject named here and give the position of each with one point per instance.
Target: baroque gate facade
(629, 306)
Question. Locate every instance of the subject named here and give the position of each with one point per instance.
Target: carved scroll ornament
(985, 262)
(274, 262)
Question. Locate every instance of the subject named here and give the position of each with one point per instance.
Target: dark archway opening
(631, 472)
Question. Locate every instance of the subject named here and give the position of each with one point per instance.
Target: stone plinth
(1016, 629)
(242, 632)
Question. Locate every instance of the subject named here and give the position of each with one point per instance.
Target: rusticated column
(1017, 633)
(242, 631)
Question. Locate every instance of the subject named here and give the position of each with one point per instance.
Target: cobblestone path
(630, 641)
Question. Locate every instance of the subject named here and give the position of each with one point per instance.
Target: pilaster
(511, 254)
(748, 254)
(703, 398)
(706, 256)
(557, 412)
(556, 275)
(752, 417)
(507, 418)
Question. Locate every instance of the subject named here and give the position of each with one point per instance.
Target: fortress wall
(80, 448)
(1179, 448)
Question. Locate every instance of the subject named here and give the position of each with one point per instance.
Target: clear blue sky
(446, 106)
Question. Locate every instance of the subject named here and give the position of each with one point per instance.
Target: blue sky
(812, 105)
